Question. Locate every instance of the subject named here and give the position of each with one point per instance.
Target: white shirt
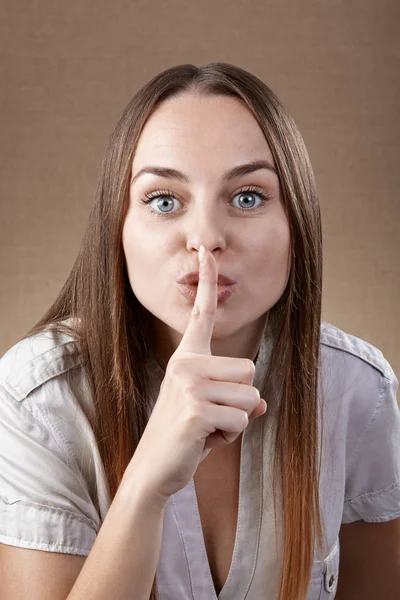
(53, 494)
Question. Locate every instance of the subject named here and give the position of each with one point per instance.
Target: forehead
(192, 128)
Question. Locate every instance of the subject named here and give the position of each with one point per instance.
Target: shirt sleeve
(44, 503)
(373, 475)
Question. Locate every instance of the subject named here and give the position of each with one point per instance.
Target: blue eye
(164, 202)
(165, 198)
(247, 198)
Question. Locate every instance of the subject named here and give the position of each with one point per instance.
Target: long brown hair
(113, 332)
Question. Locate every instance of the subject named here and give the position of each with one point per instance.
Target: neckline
(248, 528)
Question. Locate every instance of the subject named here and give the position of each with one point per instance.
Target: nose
(207, 231)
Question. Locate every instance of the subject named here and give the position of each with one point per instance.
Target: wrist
(135, 487)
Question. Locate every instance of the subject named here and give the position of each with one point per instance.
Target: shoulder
(364, 424)
(43, 384)
(33, 361)
(356, 372)
(338, 344)
(52, 480)
(357, 380)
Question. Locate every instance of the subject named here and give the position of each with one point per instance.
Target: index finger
(198, 333)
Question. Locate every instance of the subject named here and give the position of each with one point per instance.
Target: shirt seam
(12, 539)
(375, 412)
(19, 396)
(184, 545)
(374, 494)
(332, 343)
(64, 448)
(53, 510)
(69, 343)
(52, 430)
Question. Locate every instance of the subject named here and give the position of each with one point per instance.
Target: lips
(192, 278)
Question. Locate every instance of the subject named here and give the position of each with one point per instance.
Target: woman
(133, 412)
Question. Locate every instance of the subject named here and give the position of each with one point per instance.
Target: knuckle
(208, 311)
(195, 314)
(175, 367)
(251, 367)
(179, 366)
(194, 412)
(190, 387)
(245, 418)
(253, 397)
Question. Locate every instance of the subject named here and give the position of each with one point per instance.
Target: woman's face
(204, 138)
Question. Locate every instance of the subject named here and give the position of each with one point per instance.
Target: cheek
(272, 245)
(281, 256)
(144, 251)
(280, 248)
(134, 233)
(270, 260)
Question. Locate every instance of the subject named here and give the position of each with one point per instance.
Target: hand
(204, 400)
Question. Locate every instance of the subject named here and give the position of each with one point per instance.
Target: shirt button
(330, 581)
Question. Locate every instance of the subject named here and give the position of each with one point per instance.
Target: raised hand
(204, 400)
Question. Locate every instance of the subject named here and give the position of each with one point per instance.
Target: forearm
(123, 560)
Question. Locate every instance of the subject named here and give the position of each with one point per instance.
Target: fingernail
(265, 410)
(202, 253)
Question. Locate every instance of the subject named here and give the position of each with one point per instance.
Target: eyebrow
(238, 171)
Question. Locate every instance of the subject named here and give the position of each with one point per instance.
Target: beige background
(69, 68)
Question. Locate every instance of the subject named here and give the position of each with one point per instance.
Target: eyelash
(265, 197)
